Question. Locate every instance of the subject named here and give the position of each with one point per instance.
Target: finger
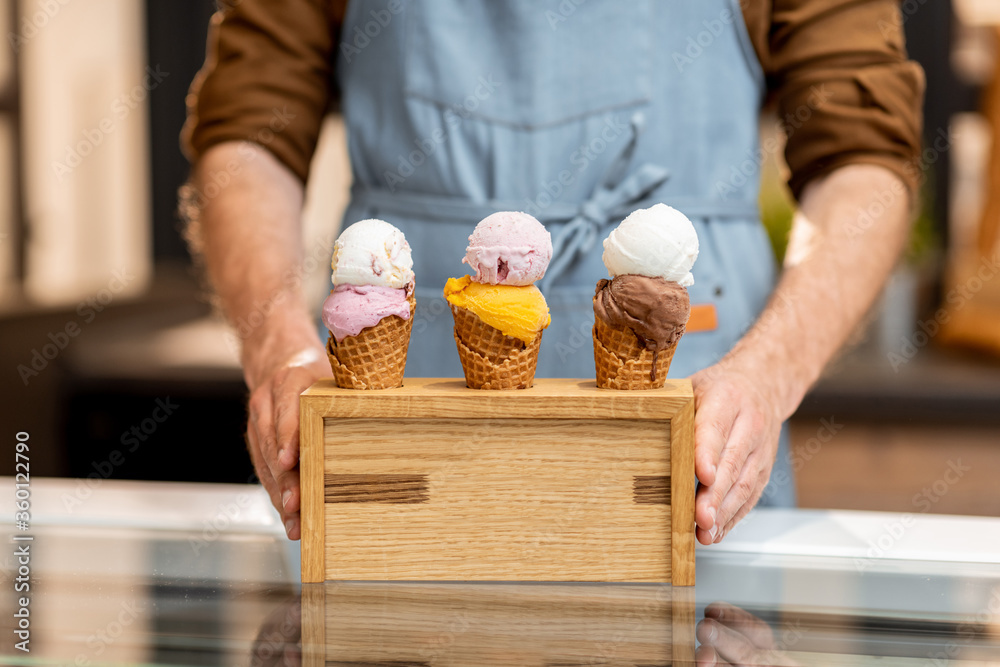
(286, 411)
(736, 648)
(711, 436)
(288, 484)
(290, 521)
(714, 417)
(261, 407)
(286, 417)
(706, 656)
(745, 438)
(745, 509)
(263, 472)
(292, 656)
(742, 495)
(724, 531)
(742, 621)
(288, 487)
(707, 631)
(293, 526)
(710, 500)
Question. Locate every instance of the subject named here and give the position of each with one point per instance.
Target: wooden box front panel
(560, 482)
(497, 499)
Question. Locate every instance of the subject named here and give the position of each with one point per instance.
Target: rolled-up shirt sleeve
(267, 79)
(845, 91)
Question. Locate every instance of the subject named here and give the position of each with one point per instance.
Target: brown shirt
(271, 61)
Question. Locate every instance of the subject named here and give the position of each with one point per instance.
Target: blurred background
(114, 362)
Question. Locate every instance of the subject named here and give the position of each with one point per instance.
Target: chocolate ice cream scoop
(654, 309)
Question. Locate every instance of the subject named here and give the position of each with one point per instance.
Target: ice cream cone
(376, 357)
(623, 363)
(490, 359)
(641, 312)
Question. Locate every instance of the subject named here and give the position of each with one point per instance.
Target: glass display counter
(125, 573)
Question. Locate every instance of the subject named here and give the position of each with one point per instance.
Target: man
(577, 112)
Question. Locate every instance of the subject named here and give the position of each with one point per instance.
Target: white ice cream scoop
(372, 252)
(659, 242)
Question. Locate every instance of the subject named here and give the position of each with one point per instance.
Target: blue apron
(577, 114)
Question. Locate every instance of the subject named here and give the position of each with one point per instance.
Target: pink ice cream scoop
(509, 248)
(351, 308)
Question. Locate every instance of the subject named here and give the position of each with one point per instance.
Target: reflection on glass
(103, 595)
(496, 624)
(731, 636)
(279, 641)
(789, 637)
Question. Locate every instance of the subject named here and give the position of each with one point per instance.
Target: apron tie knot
(612, 199)
(593, 213)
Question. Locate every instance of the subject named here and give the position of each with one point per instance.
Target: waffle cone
(622, 363)
(490, 359)
(376, 357)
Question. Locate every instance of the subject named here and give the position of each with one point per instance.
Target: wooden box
(560, 482)
(459, 624)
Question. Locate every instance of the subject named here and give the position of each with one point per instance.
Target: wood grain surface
(313, 615)
(682, 492)
(538, 499)
(371, 623)
(312, 515)
(433, 397)
(375, 488)
(560, 482)
(651, 489)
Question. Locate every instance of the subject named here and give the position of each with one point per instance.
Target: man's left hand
(736, 441)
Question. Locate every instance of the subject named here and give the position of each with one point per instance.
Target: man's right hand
(249, 232)
(273, 425)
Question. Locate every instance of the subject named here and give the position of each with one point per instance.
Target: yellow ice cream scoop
(516, 310)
